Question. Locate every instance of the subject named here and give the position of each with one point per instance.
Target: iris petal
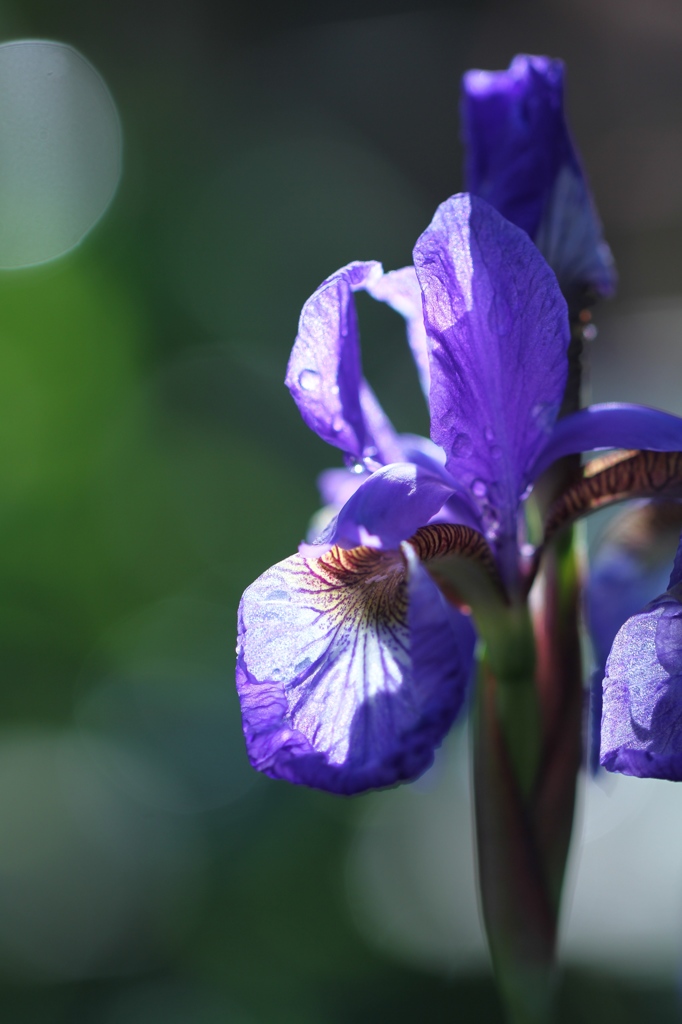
(351, 669)
(324, 373)
(642, 694)
(390, 506)
(611, 425)
(498, 336)
(521, 159)
(629, 569)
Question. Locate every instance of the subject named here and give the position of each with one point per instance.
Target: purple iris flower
(521, 158)
(641, 725)
(354, 655)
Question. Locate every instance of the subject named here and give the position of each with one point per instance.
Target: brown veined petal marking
(615, 478)
(451, 538)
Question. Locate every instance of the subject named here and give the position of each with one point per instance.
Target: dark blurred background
(152, 465)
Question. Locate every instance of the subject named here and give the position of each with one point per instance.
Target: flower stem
(527, 742)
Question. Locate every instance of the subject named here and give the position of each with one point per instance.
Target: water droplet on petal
(496, 451)
(544, 414)
(462, 447)
(334, 389)
(309, 380)
(489, 435)
(479, 489)
(357, 467)
(338, 423)
(493, 531)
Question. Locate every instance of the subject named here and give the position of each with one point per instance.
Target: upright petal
(351, 669)
(324, 373)
(521, 159)
(498, 336)
(642, 694)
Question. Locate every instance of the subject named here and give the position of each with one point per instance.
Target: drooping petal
(629, 569)
(324, 373)
(389, 506)
(642, 695)
(611, 425)
(351, 669)
(400, 290)
(521, 159)
(498, 336)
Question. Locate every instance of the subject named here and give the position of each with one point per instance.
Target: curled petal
(498, 337)
(521, 159)
(611, 425)
(400, 290)
(351, 668)
(642, 694)
(389, 506)
(324, 373)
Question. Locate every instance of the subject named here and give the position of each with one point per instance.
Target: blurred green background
(152, 465)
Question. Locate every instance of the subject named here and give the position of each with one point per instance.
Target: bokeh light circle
(60, 150)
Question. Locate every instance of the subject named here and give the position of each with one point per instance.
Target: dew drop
(334, 389)
(489, 435)
(338, 423)
(479, 489)
(462, 447)
(309, 380)
(357, 467)
(544, 414)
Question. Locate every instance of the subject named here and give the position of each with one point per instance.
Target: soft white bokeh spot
(60, 150)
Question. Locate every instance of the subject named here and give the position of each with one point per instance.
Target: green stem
(526, 757)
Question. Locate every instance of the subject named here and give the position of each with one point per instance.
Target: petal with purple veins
(629, 569)
(351, 669)
(498, 337)
(521, 159)
(642, 694)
